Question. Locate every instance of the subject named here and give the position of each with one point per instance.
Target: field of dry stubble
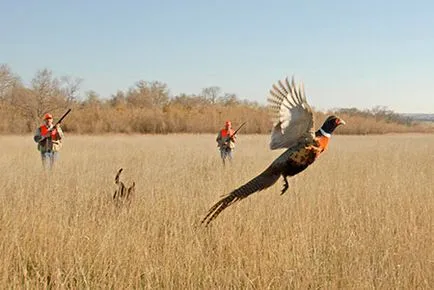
(360, 217)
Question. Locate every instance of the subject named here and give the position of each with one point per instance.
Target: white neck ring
(324, 133)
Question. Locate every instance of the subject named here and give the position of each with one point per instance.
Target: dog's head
(131, 190)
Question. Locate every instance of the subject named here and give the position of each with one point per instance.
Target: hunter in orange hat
(49, 139)
(226, 141)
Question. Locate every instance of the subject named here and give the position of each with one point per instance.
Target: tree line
(148, 107)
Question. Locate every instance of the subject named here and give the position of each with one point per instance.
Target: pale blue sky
(349, 54)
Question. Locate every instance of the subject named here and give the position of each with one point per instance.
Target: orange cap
(48, 116)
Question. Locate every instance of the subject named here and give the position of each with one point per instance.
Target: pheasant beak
(341, 122)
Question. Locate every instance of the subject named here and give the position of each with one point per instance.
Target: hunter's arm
(219, 137)
(37, 137)
(59, 133)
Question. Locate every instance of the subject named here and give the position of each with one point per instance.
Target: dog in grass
(123, 194)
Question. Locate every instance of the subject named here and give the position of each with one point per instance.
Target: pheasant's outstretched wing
(291, 115)
(260, 182)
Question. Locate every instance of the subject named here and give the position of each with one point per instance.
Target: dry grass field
(361, 217)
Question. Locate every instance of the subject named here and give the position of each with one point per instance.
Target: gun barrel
(239, 128)
(63, 117)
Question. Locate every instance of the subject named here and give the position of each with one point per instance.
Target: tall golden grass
(360, 217)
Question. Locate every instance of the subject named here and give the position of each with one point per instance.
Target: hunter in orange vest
(49, 139)
(226, 141)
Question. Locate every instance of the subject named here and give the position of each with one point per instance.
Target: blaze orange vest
(44, 130)
(226, 133)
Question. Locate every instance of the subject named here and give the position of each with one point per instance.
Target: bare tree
(7, 81)
(159, 93)
(211, 94)
(70, 88)
(46, 94)
(118, 99)
(92, 98)
(148, 94)
(229, 99)
(189, 101)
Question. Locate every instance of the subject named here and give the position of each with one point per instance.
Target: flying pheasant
(293, 128)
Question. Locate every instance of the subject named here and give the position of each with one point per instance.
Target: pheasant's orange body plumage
(293, 129)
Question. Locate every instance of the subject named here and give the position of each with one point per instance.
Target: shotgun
(235, 132)
(57, 123)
